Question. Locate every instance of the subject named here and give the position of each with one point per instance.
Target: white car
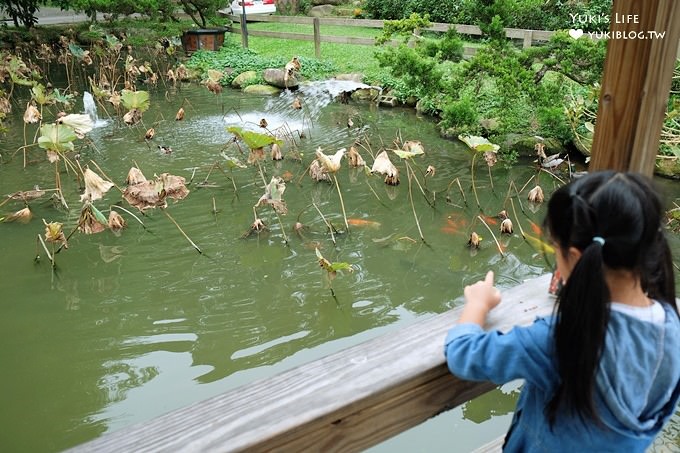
(253, 7)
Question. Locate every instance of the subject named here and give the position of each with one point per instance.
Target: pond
(134, 325)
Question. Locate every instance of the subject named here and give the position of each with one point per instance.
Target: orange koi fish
(363, 223)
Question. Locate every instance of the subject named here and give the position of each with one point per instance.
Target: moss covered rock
(264, 90)
(244, 79)
(668, 166)
(524, 144)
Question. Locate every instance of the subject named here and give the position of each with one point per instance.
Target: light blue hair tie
(598, 239)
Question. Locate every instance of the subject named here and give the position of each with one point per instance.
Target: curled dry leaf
(91, 220)
(475, 240)
(87, 58)
(170, 75)
(355, 159)
(506, 226)
(150, 133)
(317, 172)
(255, 155)
(81, 124)
(182, 73)
(430, 171)
(54, 232)
(540, 150)
(32, 114)
(95, 186)
(116, 221)
(115, 99)
(414, 147)
(297, 105)
(5, 105)
(22, 216)
(384, 166)
(273, 195)
(503, 214)
(330, 163)
(135, 176)
(52, 156)
(276, 152)
(179, 116)
(213, 86)
(536, 195)
(490, 158)
(256, 227)
(263, 123)
(132, 117)
(151, 194)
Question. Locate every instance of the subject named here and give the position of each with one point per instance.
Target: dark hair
(626, 211)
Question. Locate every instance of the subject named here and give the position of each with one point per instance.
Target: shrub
(386, 9)
(461, 115)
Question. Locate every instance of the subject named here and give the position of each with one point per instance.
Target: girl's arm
(480, 298)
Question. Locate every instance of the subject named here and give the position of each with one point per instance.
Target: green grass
(332, 30)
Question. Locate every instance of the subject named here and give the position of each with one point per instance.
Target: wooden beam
(636, 83)
(347, 401)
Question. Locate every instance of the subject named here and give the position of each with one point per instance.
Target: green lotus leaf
(41, 97)
(479, 144)
(254, 140)
(66, 99)
(76, 51)
(135, 100)
(405, 154)
(56, 137)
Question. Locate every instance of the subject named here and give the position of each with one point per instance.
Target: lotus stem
(283, 230)
(330, 227)
(519, 224)
(342, 203)
(418, 182)
(182, 231)
(500, 250)
(490, 178)
(214, 211)
(472, 174)
(47, 252)
(410, 195)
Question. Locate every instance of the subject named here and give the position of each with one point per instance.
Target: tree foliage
(22, 12)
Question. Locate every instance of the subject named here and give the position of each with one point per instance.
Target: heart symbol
(576, 34)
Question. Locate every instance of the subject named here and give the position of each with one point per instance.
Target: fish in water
(363, 223)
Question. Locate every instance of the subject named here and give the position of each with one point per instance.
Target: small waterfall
(91, 109)
(315, 96)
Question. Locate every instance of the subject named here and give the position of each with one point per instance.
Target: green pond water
(132, 326)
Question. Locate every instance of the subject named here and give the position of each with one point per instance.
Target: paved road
(53, 16)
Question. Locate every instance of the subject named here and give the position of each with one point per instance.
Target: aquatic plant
(332, 270)
(479, 145)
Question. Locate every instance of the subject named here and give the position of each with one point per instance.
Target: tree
(22, 12)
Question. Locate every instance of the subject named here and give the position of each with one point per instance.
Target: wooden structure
(637, 79)
(527, 36)
(347, 401)
(358, 397)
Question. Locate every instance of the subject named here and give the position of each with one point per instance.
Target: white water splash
(90, 109)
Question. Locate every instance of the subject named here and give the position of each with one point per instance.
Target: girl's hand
(480, 298)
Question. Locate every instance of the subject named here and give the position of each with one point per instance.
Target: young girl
(602, 373)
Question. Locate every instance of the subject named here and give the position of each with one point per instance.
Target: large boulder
(328, 2)
(276, 77)
(264, 90)
(321, 10)
(244, 79)
(365, 94)
(524, 144)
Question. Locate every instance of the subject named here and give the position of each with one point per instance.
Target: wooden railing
(527, 36)
(347, 401)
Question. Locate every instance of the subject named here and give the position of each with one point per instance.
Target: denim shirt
(637, 382)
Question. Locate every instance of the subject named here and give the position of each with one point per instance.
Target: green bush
(439, 10)
(461, 115)
(386, 9)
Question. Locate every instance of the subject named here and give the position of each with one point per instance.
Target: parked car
(253, 7)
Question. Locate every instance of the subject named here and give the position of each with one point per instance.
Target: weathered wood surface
(347, 401)
(635, 86)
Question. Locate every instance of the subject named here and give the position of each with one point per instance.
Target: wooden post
(528, 38)
(244, 29)
(317, 38)
(635, 85)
